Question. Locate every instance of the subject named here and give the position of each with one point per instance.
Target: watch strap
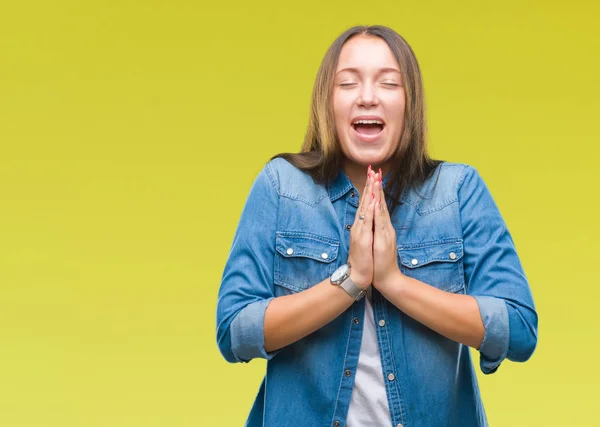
(352, 289)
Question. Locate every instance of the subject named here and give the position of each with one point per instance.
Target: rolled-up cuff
(247, 332)
(494, 347)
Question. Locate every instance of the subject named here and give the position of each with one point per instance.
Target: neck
(357, 173)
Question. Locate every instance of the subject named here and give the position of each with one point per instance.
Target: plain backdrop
(131, 131)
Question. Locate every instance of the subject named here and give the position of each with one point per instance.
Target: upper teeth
(368, 122)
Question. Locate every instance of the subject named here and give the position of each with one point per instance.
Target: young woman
(363, 270)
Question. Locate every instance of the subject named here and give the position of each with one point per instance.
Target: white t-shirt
(369, 405)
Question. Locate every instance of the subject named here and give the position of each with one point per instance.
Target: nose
(367, 96)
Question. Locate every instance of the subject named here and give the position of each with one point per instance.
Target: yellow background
(130, 132)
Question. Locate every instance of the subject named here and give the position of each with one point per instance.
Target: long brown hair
(321, 155)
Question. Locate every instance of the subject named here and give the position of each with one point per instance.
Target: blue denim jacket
(450, 235)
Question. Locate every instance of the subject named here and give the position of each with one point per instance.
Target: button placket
(395, 402)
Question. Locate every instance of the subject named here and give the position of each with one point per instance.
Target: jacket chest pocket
(303, 260)
(438, 264)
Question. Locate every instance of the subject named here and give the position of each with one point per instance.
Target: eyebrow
(380, 71)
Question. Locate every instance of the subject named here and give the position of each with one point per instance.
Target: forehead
(366, 53)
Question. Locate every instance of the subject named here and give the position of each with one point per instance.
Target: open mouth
(368, 130)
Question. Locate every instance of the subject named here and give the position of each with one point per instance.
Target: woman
(425, 243)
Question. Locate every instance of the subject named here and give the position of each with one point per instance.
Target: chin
(368, 156)
(367, 160)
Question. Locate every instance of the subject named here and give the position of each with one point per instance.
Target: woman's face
(368, 102)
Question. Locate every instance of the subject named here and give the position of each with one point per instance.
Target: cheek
(342, 101)
(341, 113)
(396, 110)
(394, 101)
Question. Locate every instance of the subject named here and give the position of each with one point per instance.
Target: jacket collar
(341, 184)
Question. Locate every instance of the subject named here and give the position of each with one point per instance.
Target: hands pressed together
(373, 256)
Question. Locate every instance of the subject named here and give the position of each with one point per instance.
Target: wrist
(394, 280)
(359, 281)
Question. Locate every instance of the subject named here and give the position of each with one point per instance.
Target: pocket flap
(415, 256)
(306, 246)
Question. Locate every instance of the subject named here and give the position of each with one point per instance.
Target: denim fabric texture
(293, 234)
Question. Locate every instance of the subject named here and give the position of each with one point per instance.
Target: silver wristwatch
(341, 278)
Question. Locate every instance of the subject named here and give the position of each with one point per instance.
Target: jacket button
(348, 226)
(414, 261)
(356, 320)
(324, 255)
(352, 194)
(336, 424)
(382, 323)
(391, 377)
(347, 373)
(452, 255)
(289, 251)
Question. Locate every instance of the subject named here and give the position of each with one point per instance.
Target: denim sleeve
(495, 277)
(247, 281)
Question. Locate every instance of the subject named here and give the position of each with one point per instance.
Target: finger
(375, 197)
(374, 178)
(376, 216)
(384, 206)
(380, 218)
(367, 230)
(377, 190)
(383, 220)
(363, 200)
(381, 197)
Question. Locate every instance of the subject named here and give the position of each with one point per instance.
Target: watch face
(339, 274)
